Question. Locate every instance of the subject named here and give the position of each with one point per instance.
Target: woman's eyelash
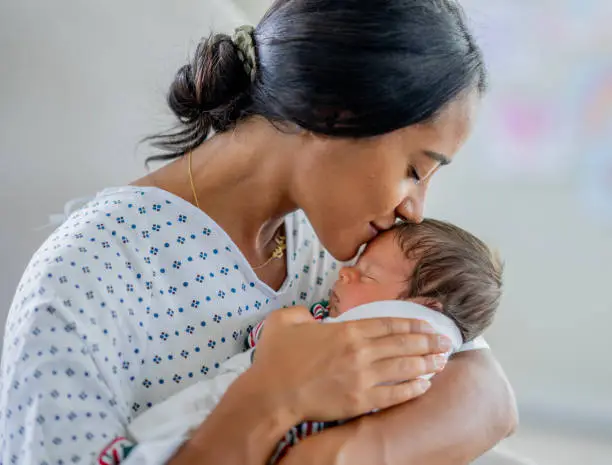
(412, 172)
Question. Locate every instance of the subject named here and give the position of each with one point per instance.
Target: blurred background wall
(82, 82)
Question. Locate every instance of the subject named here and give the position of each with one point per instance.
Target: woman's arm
(469, 408)
(290, 382)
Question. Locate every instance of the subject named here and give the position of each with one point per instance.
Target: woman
(334, 112)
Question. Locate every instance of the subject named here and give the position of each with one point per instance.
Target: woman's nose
(412, 206)
(348, 274)
(411, 211)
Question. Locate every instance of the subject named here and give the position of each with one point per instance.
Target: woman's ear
(428, 302)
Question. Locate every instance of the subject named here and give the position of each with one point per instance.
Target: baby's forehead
(387, 246)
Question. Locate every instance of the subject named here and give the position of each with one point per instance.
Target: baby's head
(433, 263)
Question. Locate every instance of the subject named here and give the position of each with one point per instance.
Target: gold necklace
(281, 241)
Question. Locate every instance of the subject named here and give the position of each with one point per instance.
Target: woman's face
(352, 189)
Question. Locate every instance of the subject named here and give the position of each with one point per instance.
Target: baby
(434, 264)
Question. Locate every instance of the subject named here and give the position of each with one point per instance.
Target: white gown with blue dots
(137, 296)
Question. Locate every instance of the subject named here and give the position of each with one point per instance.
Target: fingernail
(439, 362)
(424, 384)
(444, 344)
(426, 328)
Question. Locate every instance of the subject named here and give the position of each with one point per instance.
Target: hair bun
(210, 83)
(182, 96)
(210, 93)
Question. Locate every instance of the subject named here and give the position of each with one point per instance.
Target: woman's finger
(401, 369)
(382, 397)
(380, 327)
(399, 345)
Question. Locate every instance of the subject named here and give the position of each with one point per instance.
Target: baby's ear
(429, 302)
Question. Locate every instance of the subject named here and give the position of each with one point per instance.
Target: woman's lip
(382, 228)
(374, 230)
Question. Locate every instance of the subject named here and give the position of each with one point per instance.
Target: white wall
(81, 82)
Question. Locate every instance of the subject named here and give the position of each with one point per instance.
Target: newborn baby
(453, 277)
(434, 263)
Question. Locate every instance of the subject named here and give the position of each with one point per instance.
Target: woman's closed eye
(413, 174)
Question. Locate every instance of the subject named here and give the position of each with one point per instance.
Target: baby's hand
(291, 315)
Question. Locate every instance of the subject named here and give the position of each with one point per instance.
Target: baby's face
(380, 274)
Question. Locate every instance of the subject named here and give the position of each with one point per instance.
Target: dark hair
(455, 268)
(348, 68)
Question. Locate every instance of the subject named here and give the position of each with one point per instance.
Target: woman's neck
(242, 180)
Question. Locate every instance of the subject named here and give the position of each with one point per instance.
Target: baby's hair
(454, 268)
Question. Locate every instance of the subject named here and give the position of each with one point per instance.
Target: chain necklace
(281, 241)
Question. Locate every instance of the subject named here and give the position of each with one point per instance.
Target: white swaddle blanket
(186, 410)
(403, 309)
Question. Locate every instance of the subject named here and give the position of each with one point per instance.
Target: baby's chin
(333, 304)
(332, 309)
(335, 309)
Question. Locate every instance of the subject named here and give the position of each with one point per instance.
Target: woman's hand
(335, 371)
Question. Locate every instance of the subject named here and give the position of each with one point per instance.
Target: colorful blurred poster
(529, 135)
(550, 65)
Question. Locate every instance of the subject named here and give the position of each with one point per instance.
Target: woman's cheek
(402, 191)
(389, 197)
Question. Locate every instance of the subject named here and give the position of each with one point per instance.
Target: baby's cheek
(360, 296)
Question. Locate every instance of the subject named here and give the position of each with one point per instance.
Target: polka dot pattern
(137, 296)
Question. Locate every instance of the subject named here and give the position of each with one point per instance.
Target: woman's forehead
(446, 133)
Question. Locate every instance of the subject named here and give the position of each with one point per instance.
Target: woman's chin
(342, 253)
(345, 246)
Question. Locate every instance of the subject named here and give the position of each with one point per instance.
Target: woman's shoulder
(108, 237)
(110, 209)
(122, 215)
(112, 216)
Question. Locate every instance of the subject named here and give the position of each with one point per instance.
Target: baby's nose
(348, 274)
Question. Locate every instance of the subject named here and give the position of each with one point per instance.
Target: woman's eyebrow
(438, 157)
